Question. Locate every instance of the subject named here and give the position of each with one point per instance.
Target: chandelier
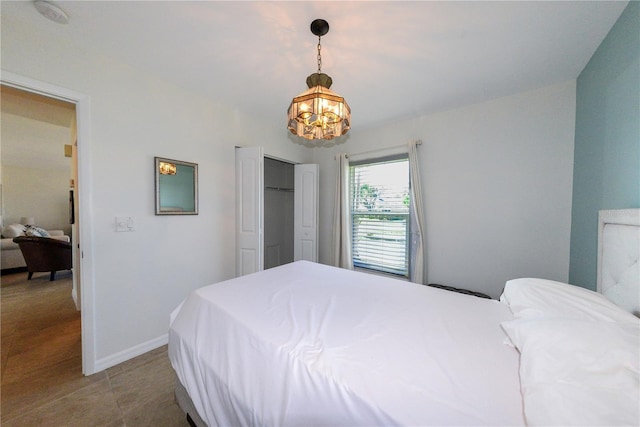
(319, 113)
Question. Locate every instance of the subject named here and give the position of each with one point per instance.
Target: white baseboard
(74, 295)
(130, 353)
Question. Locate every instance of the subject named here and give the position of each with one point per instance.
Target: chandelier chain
(319, 56)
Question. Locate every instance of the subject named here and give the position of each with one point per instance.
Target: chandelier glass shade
(319, 112)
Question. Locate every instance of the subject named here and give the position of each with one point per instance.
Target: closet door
(249, 210)
(305, 218)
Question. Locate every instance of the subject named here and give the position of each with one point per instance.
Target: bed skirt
(184, 402)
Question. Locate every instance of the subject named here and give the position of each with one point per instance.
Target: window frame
(369, 267)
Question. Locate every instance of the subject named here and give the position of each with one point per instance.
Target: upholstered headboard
(618, 257)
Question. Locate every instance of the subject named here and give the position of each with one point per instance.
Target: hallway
(42, 381)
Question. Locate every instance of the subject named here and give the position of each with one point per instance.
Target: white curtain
(416, 274)
(341, 216)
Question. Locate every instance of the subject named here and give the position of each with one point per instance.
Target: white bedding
(580, 355)
(307, 344)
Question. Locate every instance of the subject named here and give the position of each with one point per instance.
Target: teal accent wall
(607, 140)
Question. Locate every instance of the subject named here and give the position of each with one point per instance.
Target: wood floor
(42, 381)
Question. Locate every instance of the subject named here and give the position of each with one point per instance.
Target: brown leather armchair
(44, 254)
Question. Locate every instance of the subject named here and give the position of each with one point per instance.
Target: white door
(249, 210)
(305, 217)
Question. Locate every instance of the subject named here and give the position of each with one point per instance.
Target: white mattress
(307, 344)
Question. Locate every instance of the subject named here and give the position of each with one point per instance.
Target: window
(380, 214)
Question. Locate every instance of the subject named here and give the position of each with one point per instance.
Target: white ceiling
(390, 60)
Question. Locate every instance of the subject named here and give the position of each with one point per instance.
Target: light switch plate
(125, 223)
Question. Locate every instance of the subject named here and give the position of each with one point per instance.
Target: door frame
(83, 187)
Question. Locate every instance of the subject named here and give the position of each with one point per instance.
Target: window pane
(380, 214)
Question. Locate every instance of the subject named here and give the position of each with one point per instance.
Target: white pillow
(32, 230)
(13, 230)
(537, 298)
(578, 372)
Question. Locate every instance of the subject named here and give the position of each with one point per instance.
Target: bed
(306, 344)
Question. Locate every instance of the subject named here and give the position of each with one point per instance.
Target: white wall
(35, 172)
(140, 277)
(497, 182)
(38, 193)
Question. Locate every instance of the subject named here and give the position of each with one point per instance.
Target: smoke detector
(51, 11)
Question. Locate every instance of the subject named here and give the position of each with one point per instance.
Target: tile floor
(42, 381)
